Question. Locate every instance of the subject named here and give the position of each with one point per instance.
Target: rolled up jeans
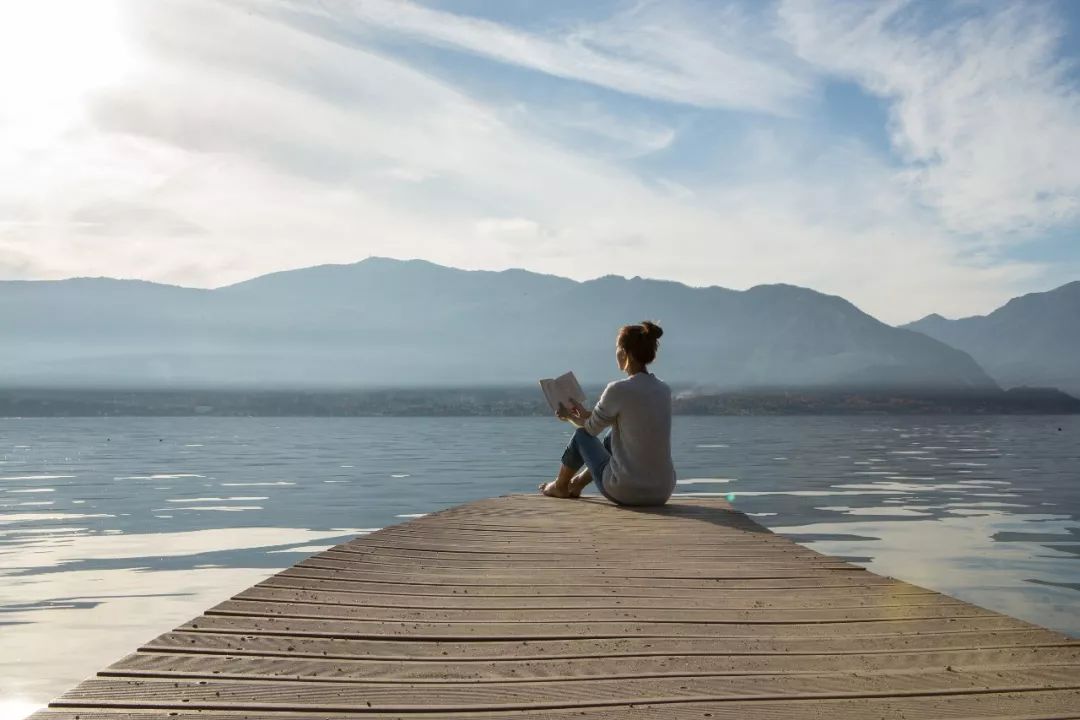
(585, 448)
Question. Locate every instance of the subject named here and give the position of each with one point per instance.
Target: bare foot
(578, 483)
(552, 489)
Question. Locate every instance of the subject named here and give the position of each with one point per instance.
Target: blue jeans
(587, 449)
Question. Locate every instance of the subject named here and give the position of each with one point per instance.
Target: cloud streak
(247, 138)
(983, 113)
(695, 58)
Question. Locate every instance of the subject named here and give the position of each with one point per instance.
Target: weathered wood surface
(577, 609)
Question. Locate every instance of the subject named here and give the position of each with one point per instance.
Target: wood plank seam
(688, 606)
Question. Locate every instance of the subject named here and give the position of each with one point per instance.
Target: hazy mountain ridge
(1031, 340)
(389, 322)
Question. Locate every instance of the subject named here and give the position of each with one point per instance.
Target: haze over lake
(113, 530)
(277, 274)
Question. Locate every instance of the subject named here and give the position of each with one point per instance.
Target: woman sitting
(632, 466)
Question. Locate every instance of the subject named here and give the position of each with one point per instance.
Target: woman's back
(639, 409)
(632, 466)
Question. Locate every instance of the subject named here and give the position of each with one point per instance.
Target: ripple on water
(704, 481)
(161, 476)
(37, 477)
(892, 486)
(218, 499)
(934, 531)
(256, 484)
(213, 508)
(792, 493)
(49, 517)
(305, 549)
(877, 511)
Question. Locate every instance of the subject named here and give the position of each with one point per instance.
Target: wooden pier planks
(578, 609)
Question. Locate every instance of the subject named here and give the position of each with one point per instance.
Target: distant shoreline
(519, 401)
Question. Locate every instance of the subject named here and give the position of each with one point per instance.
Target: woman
(632, 466)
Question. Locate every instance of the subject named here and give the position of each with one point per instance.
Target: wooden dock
(560, 609)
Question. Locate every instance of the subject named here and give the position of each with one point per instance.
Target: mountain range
(1030, 340)
(383, 322)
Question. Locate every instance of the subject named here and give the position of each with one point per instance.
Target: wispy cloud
(697, 56)
(983, 113)
(244, 138)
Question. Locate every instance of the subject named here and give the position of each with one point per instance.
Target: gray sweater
(638, 409)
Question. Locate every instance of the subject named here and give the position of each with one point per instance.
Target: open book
(562, 389)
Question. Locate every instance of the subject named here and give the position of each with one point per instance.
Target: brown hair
(640, 341)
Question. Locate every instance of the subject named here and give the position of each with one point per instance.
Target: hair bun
(652, 330)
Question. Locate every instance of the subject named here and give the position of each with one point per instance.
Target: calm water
(115, 530)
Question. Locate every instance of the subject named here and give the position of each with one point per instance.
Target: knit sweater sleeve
(605, 412)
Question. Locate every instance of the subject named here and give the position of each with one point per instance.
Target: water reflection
(73, 600)
(115, 530)
(949, 553)
(956, 506)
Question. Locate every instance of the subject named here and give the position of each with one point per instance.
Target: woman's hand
(577, 414)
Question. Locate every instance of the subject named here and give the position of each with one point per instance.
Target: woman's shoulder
(621, 386)
(616, 385)
(640, 382)
(659, 385)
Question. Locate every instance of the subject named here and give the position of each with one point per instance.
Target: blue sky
(913, 157)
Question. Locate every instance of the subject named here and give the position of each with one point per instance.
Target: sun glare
(17, 709)
(52, 53)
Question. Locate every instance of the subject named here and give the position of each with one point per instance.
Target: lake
(113, 530)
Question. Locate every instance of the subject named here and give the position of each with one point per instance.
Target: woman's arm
(605, 412)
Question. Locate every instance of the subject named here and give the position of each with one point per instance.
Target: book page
(563, 389)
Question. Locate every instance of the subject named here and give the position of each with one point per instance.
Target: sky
(913, 157)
